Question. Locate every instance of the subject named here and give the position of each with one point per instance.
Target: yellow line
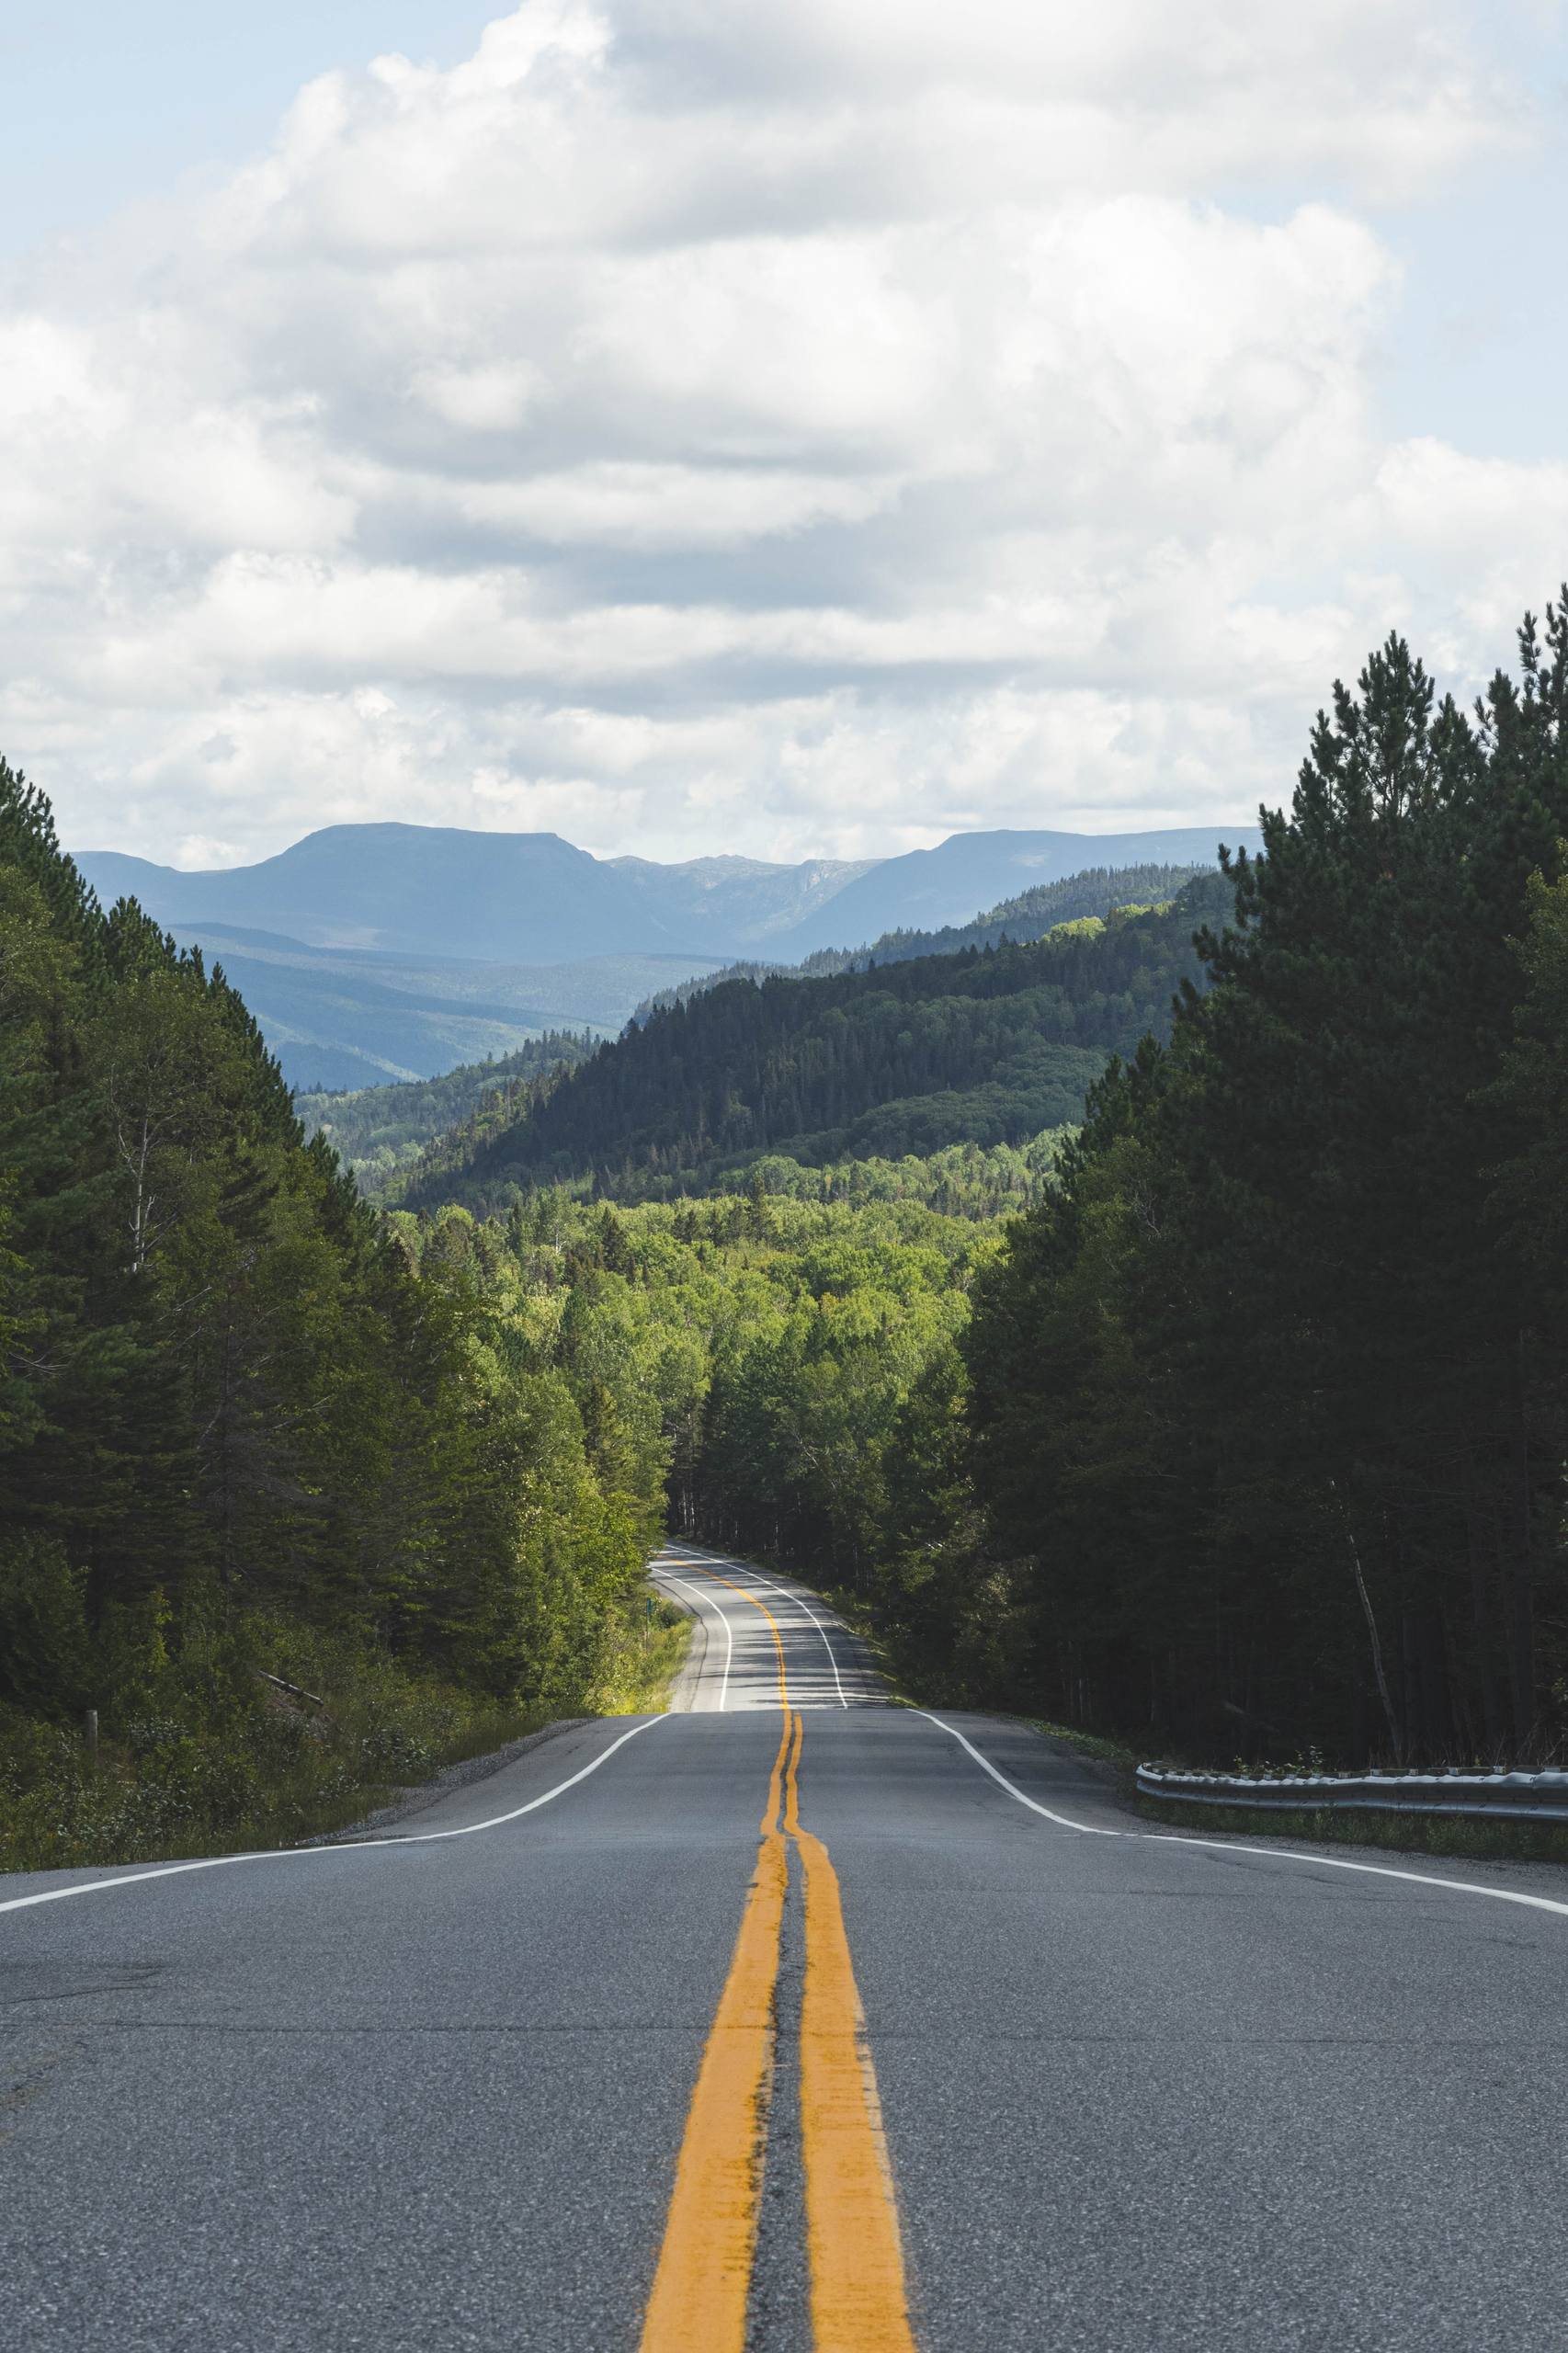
(777, 1637)
(698, 2301)
(860, 2302)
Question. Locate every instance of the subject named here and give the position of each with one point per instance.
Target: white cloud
(479, 399)
(627, 504)
(692, 425)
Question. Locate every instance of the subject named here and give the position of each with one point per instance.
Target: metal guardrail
(1506, 1797)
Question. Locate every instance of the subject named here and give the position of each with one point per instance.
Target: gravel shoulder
(417, 1798)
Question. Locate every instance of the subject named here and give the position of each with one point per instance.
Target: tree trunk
(1518, 1599)
(1394, 1734)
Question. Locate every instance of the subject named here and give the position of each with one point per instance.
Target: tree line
(1269, 1401)
(989, 1046)
(235, 1418)
(773, 1359)
(1095, 891)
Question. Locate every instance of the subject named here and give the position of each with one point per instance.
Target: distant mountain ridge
(370, 953)
(434, 891)
(382, 1128)
(762, 901)
(926, 890)
(410, 891)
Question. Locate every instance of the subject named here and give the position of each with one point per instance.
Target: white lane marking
(1378, 1871)
(1266, 1854)
(342, 1846)
(1089, 1829)
(729, 1640)
(769, 1586)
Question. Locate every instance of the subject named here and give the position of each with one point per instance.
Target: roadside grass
(1440, 1835)
(1478, 1841)
(856, 1612)
(265, 1770)
(1093, 1745)
(648, 1646)
(288, 1737)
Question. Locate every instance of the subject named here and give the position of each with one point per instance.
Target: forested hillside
(375, 1130)
(989, 1046)
(381, 1131)
(924, 889)
(240, 1435)
(1096, 891)
(761, 1349)
(1269, 1401)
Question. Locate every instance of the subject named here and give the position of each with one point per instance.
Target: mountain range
(424, 891)
(369, 952)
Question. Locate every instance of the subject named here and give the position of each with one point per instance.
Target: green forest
(246, 1443)
(989, 1046)
(1158, 1328)
(377, 1131)
(1270, 1395)
(1097, 891)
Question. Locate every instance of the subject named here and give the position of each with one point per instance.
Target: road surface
(575, 2058)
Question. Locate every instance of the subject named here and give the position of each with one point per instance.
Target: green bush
(44, 1642)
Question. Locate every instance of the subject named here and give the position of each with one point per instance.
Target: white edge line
(1378, 1871)
(1266, 1854)
(339, 1847)
(729, 1639)
(1089, 1829)
(769, 1586)
(698, 1626)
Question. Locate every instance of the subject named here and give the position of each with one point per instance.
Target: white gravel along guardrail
(1509, 1797)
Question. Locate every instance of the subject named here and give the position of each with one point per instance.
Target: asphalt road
(593, 2075)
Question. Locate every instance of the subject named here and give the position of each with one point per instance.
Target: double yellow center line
(859, 2302)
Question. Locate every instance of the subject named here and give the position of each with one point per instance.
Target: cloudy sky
(702, 425)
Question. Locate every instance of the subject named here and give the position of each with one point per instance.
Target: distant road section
(734, 1662)
(792, 2022)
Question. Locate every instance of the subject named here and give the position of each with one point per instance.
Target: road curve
(735, 1658)
(575, 2058)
